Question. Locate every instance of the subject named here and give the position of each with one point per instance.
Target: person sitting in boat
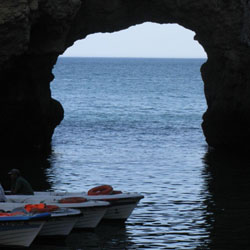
(18, 184)
(2, 194)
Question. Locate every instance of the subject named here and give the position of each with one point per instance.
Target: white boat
(121, 204)
(21, 230)
(60, 224)
(92, 211)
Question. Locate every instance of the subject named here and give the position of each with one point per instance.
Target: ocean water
(136, 124)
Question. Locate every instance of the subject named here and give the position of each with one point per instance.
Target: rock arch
(33, 33)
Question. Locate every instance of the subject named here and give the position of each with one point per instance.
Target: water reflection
(208, 209)
(105, 236)
(227, 179)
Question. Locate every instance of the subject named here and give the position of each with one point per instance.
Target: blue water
(136, 124)
(127, 118)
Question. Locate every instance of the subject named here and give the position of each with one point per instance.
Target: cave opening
(148, 40)
(118, 103)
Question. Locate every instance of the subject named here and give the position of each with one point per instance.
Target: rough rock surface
(33, 33)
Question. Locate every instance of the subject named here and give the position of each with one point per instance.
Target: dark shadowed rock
(33, 33)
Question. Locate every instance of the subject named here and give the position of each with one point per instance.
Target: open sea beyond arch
(135, 124)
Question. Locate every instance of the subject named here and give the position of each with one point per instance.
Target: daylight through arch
(147, 40)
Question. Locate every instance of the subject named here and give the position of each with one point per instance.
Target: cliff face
(33, 33)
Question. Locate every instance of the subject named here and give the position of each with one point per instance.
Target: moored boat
(121, 205)
(20, 230)
(60, 224)
(92, 211)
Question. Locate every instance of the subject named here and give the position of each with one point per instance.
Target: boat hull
(92, 211)
(60, 224)
(58, 227)
(91, 217)
(120, 208)
(19, 234)
(119, 212)
(120, 205)
(20, 230)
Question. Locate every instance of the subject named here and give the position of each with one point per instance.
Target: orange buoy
(40, 208)
(30, 207)
(116, 192)
(72, 200)
(101, 190)
(48, 208)
(11, 214)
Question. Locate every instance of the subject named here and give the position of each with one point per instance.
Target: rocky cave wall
(33, 33)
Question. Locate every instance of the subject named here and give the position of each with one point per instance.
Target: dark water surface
(136, 124)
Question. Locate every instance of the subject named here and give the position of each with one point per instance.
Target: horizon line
(133, 57)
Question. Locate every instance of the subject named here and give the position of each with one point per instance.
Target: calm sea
(136, 124)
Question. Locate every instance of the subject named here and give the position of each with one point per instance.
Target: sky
(144, 40)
